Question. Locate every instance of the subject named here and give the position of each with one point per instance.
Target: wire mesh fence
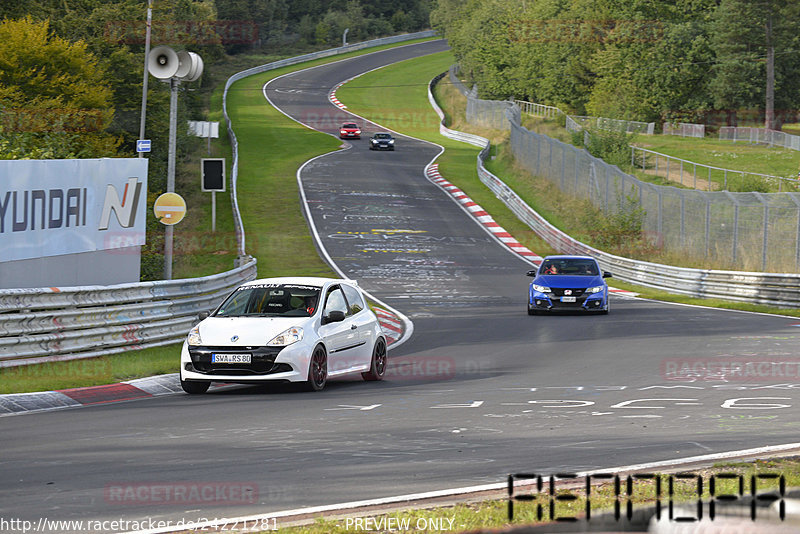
(684, 129)
(700, 176)
(578, 122)
(759, 136)
(742, 231)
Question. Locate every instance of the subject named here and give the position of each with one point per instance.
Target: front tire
(317, 370)
(195, 388)
(378, 366)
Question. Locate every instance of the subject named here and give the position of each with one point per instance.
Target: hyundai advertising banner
(55, 207)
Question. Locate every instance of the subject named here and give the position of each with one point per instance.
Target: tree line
(703, 61)
(71, 70)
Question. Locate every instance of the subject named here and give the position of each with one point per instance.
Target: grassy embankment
(272, 148)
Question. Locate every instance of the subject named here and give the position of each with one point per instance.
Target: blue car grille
(560, 292)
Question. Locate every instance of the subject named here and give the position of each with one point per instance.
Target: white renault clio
(285, 329)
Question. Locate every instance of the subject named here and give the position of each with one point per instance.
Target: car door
(364, 321)
(339, 337)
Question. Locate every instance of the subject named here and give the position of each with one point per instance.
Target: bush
(612, 146)
(620, 230)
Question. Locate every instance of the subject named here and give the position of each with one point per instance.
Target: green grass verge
(404, 85)
(493, 514)
(271, 149)
(91, 371)
(655, 294)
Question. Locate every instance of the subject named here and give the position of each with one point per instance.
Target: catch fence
(743, 231)
(759, 136)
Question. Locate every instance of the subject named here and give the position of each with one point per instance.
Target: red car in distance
(350, 130)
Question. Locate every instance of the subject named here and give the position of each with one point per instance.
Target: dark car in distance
(381, 141)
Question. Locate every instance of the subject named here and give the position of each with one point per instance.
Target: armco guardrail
(54, 324)
(237, 219)
(761, 288)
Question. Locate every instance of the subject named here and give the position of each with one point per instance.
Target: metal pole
(683, 219)
(708, 225)
(213, 211)
(797, 241)
(173, 127)
(146, 77)
(765, 242)
(735, 229)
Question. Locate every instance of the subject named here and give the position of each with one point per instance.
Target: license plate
(568, 299)
(230, 358)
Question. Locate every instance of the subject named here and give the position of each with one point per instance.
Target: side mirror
(203, 315)
(531, 273)
(334, 316)
(607, 274)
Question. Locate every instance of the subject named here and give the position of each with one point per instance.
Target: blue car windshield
(569, 266)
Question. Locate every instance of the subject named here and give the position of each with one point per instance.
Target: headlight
(541, 289)
(287, 337)
(358, 131)
(596, 289)
(194, 336)
(374, 141)
(391, 141)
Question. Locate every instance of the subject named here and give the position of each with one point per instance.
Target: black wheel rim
(380, 358)
(318, 368)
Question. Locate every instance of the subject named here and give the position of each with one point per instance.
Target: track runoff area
(480, 391)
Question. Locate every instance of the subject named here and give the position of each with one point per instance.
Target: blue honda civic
(568, 283)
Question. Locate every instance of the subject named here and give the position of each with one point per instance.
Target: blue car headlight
(596, 289)
(541, 289)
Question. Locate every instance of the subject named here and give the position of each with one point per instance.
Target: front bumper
(585, 302)
(373, 146)
(283, 364)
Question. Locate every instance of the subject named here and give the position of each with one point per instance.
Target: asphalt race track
(480, 391)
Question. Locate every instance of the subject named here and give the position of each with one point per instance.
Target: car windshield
(271, 300)
(569, 266)
(349, 126)
(383, 136)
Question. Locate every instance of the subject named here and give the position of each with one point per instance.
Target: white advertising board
(55, 207)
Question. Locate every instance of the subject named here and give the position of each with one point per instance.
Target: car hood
(568, 281)
(251, 331)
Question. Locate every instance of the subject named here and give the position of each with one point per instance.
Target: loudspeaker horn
(184, 64)
(163, 62)
(196, 69)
